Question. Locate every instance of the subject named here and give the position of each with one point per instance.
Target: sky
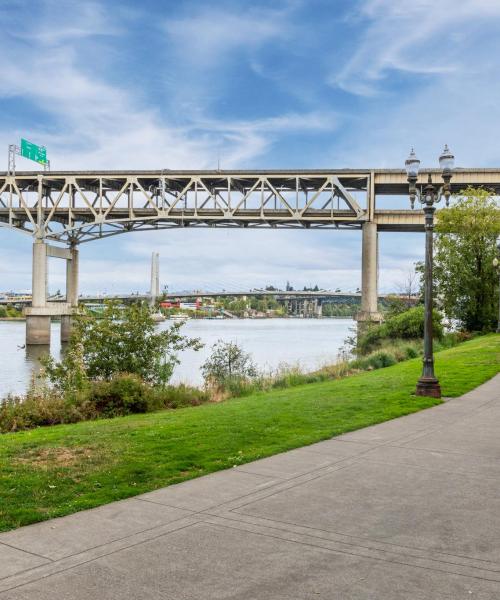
(252, 84)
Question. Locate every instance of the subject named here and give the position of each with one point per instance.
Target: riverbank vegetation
(53, 471)
(10, 312)
(118, 364)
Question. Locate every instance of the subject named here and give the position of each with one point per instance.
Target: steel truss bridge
(80, 206)
(75, 207)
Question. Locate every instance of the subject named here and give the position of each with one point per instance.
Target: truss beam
(74, 207)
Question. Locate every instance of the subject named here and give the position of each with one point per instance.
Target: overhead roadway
(72, 207)
(78, 206)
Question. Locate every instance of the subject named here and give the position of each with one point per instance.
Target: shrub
(3, 312)
(120, 340)
(41, 408)
(229, 368)
(411, 352)
(122, 395)
(176, 396)
(376, 360)
(406, 325)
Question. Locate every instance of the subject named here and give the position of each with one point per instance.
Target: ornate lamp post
(496, 264)
(428, 384)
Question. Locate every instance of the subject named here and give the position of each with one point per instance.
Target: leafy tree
(272, 303)
(227, 362)
(465, 279)
(120, 340)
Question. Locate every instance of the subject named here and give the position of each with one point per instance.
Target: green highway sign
(34, 152)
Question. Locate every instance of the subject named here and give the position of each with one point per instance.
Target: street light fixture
(496, 264)
(428, 384)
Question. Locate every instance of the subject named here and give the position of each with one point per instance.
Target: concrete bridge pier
(369, 277)
(38, 315)
(37, 321)
(71, 293)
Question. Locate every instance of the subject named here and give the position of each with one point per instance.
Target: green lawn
(54, 471)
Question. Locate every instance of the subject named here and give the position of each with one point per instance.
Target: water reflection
(35, 353)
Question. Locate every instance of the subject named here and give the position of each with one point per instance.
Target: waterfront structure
(61, 210)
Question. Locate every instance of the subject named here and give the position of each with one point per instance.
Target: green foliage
(465, 279)
(119, 458)
(176, 396)
(123, 394)
(120, 340)
(376, 360)
(68, 376)
(228, 367)
(341, 309)
(39, 408)
(10, 311)
(406, 325)
(395, 305)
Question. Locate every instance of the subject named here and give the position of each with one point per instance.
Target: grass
(53, 471)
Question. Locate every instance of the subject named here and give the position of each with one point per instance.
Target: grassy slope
(54, 471)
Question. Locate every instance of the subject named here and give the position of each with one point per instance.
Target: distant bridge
(322, 295)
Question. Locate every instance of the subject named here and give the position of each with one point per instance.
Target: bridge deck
(79, 206)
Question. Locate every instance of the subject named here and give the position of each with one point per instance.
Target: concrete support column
(38, 326)
(65, 328)
(71, 293)
(39, 275)
(37, 330)
(369, 276)
(72, 278)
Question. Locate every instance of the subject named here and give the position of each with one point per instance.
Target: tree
(408, 288)
(120, 340)
(465, 279)
(227, 363)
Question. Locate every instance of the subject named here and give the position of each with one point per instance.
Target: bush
(176, 396)
(122, 395)
(3, 312)
(229, 368)
(121, 340)
(376, 360)
(41, 408)
(406, 325)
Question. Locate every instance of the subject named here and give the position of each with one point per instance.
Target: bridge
(70, 208)
(306, 303)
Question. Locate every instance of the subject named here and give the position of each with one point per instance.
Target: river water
(309, 343)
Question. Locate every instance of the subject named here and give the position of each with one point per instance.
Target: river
(309, 343)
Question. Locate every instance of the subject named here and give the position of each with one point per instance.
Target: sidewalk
(408, 509)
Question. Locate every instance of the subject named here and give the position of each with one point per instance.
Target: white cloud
(105, 125)
(210, 36)
(414, 37)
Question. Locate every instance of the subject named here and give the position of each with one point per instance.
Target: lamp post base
(428, 386)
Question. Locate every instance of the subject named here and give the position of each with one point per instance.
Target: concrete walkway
(408, 509)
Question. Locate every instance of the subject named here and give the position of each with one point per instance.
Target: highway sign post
(30, 151)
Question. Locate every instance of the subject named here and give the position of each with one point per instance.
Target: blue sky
(297, 83)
